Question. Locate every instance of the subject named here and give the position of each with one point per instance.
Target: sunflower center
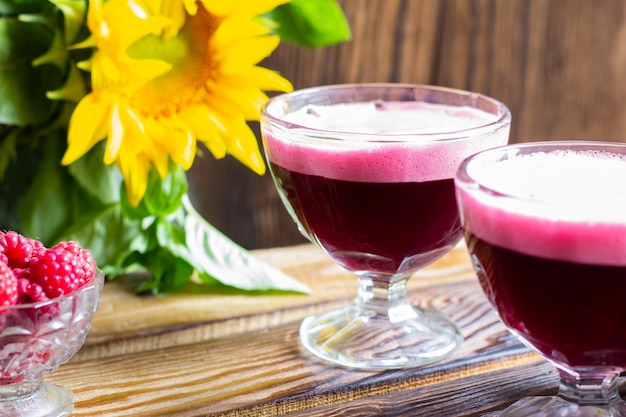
(192, 66)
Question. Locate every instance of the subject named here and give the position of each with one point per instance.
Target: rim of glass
(513, 149)
(268, 112)
(94, 282)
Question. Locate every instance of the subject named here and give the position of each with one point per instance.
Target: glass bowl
(35, 339)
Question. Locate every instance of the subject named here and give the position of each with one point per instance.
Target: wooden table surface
(198, 353)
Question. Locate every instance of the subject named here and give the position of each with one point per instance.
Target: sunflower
(167, 74)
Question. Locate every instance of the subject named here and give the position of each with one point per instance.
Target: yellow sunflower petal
(242, 144)
(95, 18)
(142, 71)
(153, 150)
(231, 33)
(227, 107)
(116, 136)
(234, 30)
(261, 78)
(245, 102)
(247, 7)
(88, 126)
(175, 73)
(249, 52)
(185, 143)
(126, 130)
(135, 169)
(105, 72)
(174, 10)
(120, 23)
(207, 128)
(181, 142)
(191, 6)
(259, 7)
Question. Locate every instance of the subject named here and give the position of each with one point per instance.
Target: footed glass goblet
(545, 225)
(366, 171)
(35, 339)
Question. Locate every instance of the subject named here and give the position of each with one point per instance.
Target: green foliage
(163, 236)
(216, 257)
(15, 7)
(22, 86)
(312, 23)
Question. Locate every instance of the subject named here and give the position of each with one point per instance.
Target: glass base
(358, 338)
(558, 407)
(48, 401)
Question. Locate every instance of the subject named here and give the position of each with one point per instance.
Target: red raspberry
(21, 273)
(29, 292)
(85, 266)
(8, 286)
(38, 250)
(62, 269)
(17, 248)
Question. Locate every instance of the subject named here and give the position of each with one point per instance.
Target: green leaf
(109, 236)
(164, 196)
(102, 181)
(74, 12)
(56, 55)
(18, 156)
(22, 86)
(132, 212)
(214, 255)
(45, 209)
(14, 7)
(81, 203)
(168, 273)
(313, 23)
(172, 268)
(8, 151)
(73, 89)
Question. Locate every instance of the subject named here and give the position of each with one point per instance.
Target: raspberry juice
(367, 225)
(372, 201)
(551, 257)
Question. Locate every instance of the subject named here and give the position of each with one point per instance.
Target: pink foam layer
(591, 242)
(360, 159)
(377, 162)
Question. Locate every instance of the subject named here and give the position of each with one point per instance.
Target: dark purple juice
(374, 226)
(372, 182)
(572, 312)
(546, 230)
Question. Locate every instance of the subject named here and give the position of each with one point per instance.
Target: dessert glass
(35, 339)
(380, 201)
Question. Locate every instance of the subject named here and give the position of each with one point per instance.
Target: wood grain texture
(126, 323)
(559, 65)
(239, 354)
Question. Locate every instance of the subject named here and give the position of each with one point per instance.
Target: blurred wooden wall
(560, 66)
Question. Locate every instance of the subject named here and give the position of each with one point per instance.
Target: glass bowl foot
(48, 401)
(559, 407)
(356, 338)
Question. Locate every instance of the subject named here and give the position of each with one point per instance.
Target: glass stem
(385, 295)
(592, 387)
(12, 392)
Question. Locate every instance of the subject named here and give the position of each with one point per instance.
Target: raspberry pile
(30, 272)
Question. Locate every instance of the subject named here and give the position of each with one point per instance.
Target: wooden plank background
(558, 64)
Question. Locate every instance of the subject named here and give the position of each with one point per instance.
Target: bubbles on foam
(582, 180)
(567, 205)
(370, 158)
(380, 117)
